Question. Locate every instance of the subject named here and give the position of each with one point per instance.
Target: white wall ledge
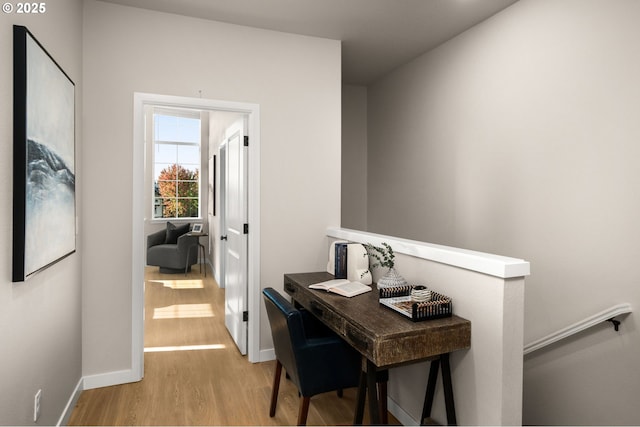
(493, 265)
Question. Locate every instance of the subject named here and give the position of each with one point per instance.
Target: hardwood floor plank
(210, 385)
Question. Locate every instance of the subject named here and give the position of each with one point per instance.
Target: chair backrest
(287, 330)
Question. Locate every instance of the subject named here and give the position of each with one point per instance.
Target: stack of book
(341, 261)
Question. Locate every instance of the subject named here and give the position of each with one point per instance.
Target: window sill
(174, 220)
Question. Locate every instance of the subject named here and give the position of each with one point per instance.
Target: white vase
(391, 279)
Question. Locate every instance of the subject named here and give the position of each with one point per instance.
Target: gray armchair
(169, 249)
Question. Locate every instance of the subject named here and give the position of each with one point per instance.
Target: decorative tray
(399, 299)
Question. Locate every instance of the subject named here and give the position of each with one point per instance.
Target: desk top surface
(380, 334)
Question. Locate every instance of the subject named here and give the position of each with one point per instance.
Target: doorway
(139, 213)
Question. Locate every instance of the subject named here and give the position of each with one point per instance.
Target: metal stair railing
(603, 316)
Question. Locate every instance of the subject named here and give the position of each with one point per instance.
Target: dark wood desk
(386, 339)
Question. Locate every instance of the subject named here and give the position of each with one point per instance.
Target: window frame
(180, 113)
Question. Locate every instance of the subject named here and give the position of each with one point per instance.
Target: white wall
(520, 137)
(354, 157)
(296, 82)
(40, 319)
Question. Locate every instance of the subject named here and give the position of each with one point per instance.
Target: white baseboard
(402, 416)
(267, 355)
(66, 414)
(91, 382)
(110, 378)
(214, 273)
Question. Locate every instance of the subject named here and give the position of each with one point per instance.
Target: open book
(342, 287)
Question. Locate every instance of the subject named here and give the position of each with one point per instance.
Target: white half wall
(487, 378)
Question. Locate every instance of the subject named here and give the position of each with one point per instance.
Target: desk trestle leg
(374, 381)
(447, 387)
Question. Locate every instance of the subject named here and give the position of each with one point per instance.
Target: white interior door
(234, 245)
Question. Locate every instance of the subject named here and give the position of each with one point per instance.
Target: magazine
(342, 287)
(403, 304)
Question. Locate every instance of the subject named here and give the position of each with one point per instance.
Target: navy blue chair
(315, 358)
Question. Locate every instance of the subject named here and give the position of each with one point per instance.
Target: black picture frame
(215, 167)
(44, 202)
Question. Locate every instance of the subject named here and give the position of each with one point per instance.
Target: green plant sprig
(383, 255)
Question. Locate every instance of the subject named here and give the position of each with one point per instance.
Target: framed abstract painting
(44, 201)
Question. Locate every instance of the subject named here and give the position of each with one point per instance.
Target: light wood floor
(210, 384)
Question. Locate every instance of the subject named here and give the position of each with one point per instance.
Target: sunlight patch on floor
(183, 311)
(181, 284)
(184, 348)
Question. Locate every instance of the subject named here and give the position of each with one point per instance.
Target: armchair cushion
(175, 231)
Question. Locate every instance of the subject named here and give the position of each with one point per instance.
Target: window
(176, 163)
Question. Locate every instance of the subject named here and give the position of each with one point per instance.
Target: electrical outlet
(36, 405)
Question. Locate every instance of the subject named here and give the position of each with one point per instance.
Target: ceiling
(377, 35)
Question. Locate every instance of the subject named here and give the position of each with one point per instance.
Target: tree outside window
(177, 191)
(176, 165)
